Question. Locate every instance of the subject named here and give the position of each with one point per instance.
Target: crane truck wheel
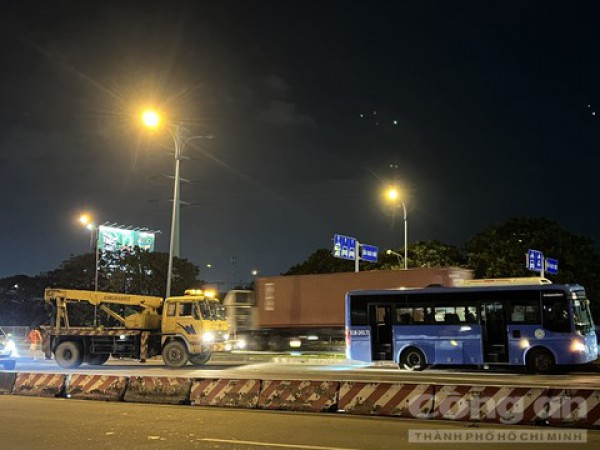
(68, 355)
(96, 360)
(200, 359)
(175, 354)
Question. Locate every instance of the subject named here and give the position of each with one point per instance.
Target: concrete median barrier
(96, 387)
(500, 404)
(164, 390)
(574, 407)
(316, 396)
(387, 399)
(7, 382)
(231, 393)
(39, 384)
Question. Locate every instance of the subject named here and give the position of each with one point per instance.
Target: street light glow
(85, 219)
(392, 194)
(150, 118)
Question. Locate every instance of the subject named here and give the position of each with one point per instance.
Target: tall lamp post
(87, 221)
(393, 196)
(152, 119)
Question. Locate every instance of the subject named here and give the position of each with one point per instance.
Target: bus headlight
(208, 337)
(578, 346)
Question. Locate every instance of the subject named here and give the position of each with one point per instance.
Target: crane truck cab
(88, 327)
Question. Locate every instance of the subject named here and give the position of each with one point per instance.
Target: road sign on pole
(369, 253)
(344, 247)
(535, 260)
(552, 266)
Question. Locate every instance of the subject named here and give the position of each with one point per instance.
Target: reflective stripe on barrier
(96, 387)
(507, 405)
(168, 390)
(317, 396)
(234, 393)
(7, 382)
(39, 384)
(387, 399)
(574, 407)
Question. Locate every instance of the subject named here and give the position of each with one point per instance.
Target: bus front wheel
(540, 361)
(412, 359)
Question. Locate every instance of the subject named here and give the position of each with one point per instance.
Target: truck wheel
(68, 355)
(540, 361)
(200, 359)
(175, 354)
(96, 360)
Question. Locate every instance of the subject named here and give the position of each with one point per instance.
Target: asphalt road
(326, 370)
(44, 423)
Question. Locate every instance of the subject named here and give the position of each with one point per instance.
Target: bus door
(380, 321)
(493, 324)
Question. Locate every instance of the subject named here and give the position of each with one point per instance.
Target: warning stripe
(226, 392)
(39, 384)
(82, 332)
(298, 395)
(386, 399)
(574, 406)
(510, 405)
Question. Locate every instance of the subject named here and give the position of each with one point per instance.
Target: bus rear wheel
(541, 361)
(412, 359)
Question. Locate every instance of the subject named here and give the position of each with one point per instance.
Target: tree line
(497, 251)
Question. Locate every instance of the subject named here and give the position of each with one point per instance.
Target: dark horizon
(488, 112)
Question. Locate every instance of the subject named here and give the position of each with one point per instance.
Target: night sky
(488, 110)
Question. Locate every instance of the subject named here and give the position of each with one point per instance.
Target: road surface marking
(274, 444)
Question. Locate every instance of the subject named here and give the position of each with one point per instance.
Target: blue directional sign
(369, 253)
(552, 266)
(535, 260)
(344, 247)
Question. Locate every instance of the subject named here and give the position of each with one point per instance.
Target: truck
(181, 329)
(307, 311)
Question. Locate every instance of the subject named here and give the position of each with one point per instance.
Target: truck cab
(197, 321)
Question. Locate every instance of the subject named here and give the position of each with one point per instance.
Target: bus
(530, 323)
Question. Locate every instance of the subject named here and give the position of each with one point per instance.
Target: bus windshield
(581, 313)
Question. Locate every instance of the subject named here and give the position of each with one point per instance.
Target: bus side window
(403, 316)
(556, 314)
(525, 312)
(358, 314)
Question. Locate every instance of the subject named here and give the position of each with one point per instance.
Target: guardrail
(501, 404)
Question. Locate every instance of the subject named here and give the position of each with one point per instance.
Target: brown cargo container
(317, 301)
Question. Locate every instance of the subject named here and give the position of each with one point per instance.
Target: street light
(151, 119)
(394, 196)
(87, 221)
(392, 252)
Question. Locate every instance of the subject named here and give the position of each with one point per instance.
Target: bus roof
(505, 281)
(471, 288)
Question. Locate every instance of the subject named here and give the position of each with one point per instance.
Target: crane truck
(189, 327)
(306, 312)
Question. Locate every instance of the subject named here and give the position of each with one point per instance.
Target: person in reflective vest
(35, 339)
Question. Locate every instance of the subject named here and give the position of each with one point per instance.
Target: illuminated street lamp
(87, 221)
(152, 119)
(393, 196)
(392, 252)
